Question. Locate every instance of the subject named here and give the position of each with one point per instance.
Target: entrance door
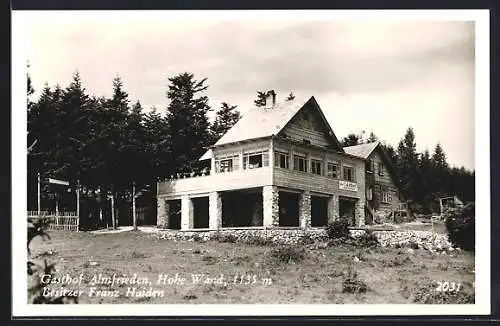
(347, 208)
(288, 209)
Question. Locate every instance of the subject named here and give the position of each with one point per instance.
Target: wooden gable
(310, 126)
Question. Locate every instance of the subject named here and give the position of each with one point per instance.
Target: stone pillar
(270, 202)
(305, 210)
(162, 213)
(359, 212)
(187, 221)
(215, 210)
(333, 208)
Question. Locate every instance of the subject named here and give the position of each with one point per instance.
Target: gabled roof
(363, 150)
(261, 122)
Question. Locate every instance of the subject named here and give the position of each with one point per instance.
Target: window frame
(387, 197)
(277, 159)
(337, 165)
(264, 159)
(353, 174)
(381, 168)
(225, 158)
(316, 161)
(300, 156)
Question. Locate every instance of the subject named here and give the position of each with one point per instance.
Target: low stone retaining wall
(397, 239)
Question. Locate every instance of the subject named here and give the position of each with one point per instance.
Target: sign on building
(58, 182)
(349, 186)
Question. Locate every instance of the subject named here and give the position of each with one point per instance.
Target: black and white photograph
(251, 162)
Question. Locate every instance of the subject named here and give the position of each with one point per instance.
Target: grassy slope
(392, 275)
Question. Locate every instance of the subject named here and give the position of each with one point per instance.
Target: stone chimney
(270, 99)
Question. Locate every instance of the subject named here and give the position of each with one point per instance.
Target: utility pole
(38, 195)
(78, 205)
(113, 208)
(134, 216)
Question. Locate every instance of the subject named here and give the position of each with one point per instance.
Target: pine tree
(261, 99)
(73, 129)
(226, 117)
(440, 172)
(372, 138)
(351, 140)
(290, 97)
(439, 158)
(187, 120)
(408, 164)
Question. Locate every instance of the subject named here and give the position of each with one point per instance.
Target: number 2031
(448, 287)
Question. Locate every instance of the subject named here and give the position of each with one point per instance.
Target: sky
(379, 76)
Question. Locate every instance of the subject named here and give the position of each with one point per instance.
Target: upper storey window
(226, 163)
(253, 160)
(316, 167)
(333, 169)
(300, 162)
(348, 173)
(281, 160)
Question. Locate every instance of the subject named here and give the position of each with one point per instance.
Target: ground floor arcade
(267, 206)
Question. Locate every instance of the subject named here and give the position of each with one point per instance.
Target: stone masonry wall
(333, 208)
(270, 199)
(359, 212)
(162, 213)
(305, 210)
(427, 240)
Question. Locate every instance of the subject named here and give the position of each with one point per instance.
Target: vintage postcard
(251, 163)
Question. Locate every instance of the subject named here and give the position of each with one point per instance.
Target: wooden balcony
(317, 183)
(216, 182)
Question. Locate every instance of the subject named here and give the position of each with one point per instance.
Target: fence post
(113, 209)
(134, 216)
(78, 205)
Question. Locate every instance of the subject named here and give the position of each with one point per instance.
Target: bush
(367, 239)
(460, 224)
(338, 229)
(288, 254)
(427, 294)
(221, 237)
(351, 283)
(255, 240)
(37, 228)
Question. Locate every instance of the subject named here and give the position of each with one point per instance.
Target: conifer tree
(187, 121)
(226, 117)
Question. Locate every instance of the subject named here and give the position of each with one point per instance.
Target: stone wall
(396, 239)
(359, 212)
(270, 199)
(333, 208)
(162, 213)
(305, 209)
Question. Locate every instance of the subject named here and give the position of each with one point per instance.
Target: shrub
(221, 237)
(367, 239)
(288, 254)
(427, 294)
(37, 228)
(351, 282)
(255, 240)
(460, 224)
(338, 229)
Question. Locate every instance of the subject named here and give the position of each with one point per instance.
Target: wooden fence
(67, 221)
